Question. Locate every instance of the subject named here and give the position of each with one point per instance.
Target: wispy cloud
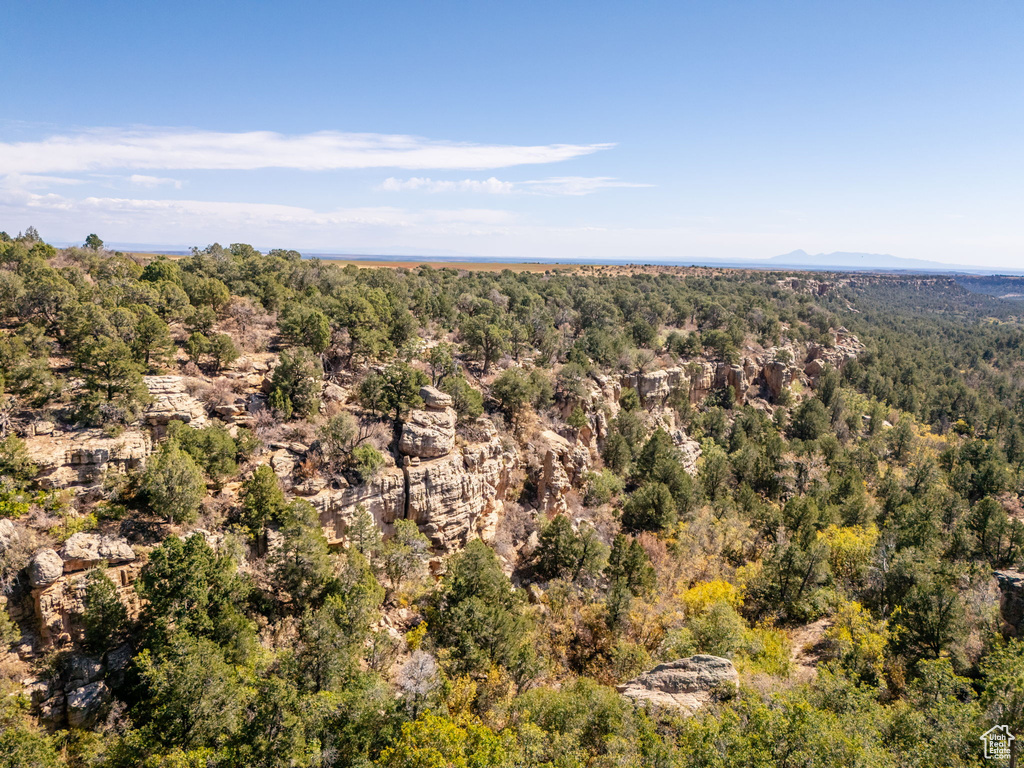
(179, 149)
(173, 218)
(142, 180)
(561, 185)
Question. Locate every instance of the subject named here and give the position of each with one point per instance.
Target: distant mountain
(866, 261)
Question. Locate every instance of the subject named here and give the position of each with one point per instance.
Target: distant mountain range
(842, 260)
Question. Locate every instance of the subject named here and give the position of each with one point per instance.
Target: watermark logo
(997, 742)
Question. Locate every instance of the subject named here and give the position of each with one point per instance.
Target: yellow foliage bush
(703, 595)
(849, 548)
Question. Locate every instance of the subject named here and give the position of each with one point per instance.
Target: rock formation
(85, 550)
(429, 433)
(564, 466)
(59, 603)
(686, 684)
(172, 402)
(1011, 600)
(80, 459)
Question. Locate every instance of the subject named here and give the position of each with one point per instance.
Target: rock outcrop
(172, 402)
(460, 496)
(1011, 600)
(45, 568)
(81, 458)
(383, 496)
(59, 604)
(87, 704)
(85, 550)
(428, 434)
(686, 684)
(564, 466)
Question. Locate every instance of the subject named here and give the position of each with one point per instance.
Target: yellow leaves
(414, 637)
(857, 640)
(850, 548)
(703, 595)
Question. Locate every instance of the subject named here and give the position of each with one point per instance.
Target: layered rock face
(383, 497)
(79, 459)
(686, 684)
(59, 581)
(563, 469)
(460, 496)
(429, 433)
(1011, 601)
(172, 402)
(698, 379)
(452, 497)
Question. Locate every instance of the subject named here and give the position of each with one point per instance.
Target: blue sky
(637, 131)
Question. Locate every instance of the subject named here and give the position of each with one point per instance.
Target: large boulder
(84, 550)
(86, 705)
(428, 434)
(435, 399)
(685, 684)
(46, 567)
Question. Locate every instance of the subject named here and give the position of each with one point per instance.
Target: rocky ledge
(685, 684)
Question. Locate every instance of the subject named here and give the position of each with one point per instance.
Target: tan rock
(435, 399)
(460, 496)
(84, 550)
(383, 496)
(686, 684)
(428, 434)
(45, 568)
(59, 605)
(563, 469)
(81, 458)
(172, 402)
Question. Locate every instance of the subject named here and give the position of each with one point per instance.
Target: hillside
(257, 510)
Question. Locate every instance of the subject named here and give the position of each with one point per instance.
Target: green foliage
(601, 488)
(112, 388)
(15, 462)
(210, 447)
(302, 564)
(305, 326)
(404, 555)
(188, 588)
(22, 743)
(173, 485)
(433, 740)
(106, 618)
(629, 565)
(467, 401)
(295, 385)
(478, 616)
(563, 553)
(262, 500)
(649, 508)
(514, 390)
(392, 390)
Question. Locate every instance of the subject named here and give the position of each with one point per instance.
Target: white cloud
(141, 180)
(491, 186)
(180, 149)
(561, 185)
(201, 221)
(34, 181)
